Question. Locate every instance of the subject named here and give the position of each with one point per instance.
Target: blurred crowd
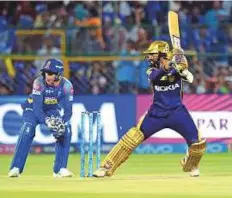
(123, 28)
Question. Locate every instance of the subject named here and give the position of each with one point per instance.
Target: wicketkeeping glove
(56, 125)
(60, 130)
(51, 122)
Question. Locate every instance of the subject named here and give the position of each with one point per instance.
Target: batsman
(166, 73)
(51, 92)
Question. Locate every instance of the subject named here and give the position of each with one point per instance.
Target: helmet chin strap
(158, 60)
(57, 78)
(156, 64)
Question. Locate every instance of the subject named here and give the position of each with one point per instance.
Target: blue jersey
(167, 88)
(45, 98)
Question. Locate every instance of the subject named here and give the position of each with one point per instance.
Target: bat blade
(174, 30)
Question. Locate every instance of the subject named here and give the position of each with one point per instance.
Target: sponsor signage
(116, 119)
(118, 114)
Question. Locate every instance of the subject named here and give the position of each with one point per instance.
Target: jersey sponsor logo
(50, 100)
(167, 88)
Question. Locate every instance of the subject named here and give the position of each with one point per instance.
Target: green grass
(141, 176)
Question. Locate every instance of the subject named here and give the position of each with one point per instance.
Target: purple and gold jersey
(46, 98)
(167, 88)
(167, 110)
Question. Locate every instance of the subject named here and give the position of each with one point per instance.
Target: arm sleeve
(67, 101)
(155, 75)
(37, 96)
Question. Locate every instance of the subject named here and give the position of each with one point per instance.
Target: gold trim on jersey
(141, 120)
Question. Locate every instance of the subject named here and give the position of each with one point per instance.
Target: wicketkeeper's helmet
(53, 66)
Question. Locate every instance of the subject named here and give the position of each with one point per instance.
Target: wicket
(88, 118)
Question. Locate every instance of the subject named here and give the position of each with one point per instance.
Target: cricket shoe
(64, 172)
(194, 172)
(101, 172)
(14, 172)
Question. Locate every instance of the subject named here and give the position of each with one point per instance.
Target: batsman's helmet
(157, 47)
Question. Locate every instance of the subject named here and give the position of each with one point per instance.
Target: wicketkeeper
(166, 73)
(51, 92)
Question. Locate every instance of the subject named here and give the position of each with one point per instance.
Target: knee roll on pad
(195, 153)
(132, 139)
(122, 150)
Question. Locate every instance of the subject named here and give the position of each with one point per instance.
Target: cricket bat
(174, 30)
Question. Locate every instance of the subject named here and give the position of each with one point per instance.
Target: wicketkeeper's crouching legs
(26, 136)
(120, 152)
(62, 150)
